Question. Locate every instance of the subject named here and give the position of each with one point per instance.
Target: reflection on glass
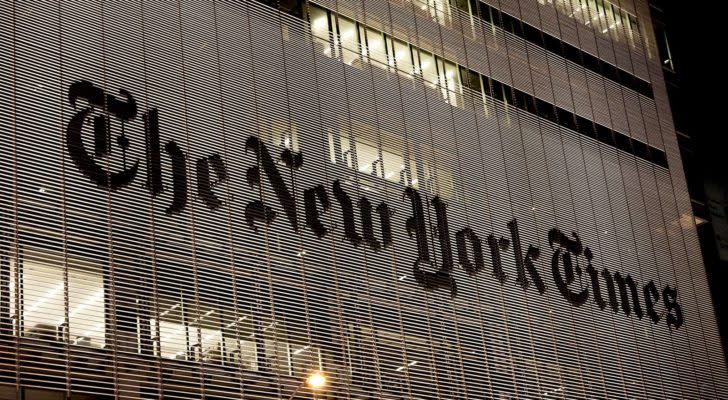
(604, 16)
(304, 359)
(43, 305)
(279, 133)
(439, 11)
(346, 150)
(394, 168)
(388, 161)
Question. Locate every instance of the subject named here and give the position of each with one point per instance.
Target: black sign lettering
(672, 308)
(416, 224)
(652, 296)
(205, 184)
(496, 246)
(524, 264)
(462, 237)
(104, 112)
(622, 284)
(124, 111)
(258, 211)
(313, 220)
(563, 253)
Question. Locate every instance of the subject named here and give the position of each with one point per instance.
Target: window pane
(367, 158)
(348, 40)
(377, 49)
(403, 57)
(320, 29)
(305, 359)
(276, 349)
(346, 150)
(394, 170)
(43, 298)
(86, 306)
(452, 82)
(172, 331)
(427, 68)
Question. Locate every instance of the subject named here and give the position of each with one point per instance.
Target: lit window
(428, 68)
(319, 19)
(173, 331)
(451, 81)
(377, 48)
(44, 290)
(368, 158)
(403, 58)
(348, 40)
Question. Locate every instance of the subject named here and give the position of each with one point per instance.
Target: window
(207, 334)
(377, 48)
(279, 133)
(319, 19)
(663, 46)
(428, 69)
(403, 58)
(449, 81)
(439, 11)
(44, 288)
(348, 40)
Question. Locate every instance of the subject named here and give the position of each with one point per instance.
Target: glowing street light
(315, 380)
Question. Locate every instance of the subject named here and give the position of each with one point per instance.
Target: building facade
(424, 200)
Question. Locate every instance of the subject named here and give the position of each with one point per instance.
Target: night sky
(697, 33)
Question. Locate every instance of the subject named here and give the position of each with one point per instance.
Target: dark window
(497, 90)
(293, 7)
(658, 157)
(566, 119)
(474, 7)
(590, 62)
(508, 94)
(487, 86)
(572, 54)
(552, 44)
(640, 150)
(604, 135)
(585, 126)
(496, 17)
(532, 34)
(623, 142)
(474, 81)
(462, 4)
(485, 12)
(609, 71)
(545, 110)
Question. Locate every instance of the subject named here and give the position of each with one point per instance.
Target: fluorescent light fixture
(174, 307)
